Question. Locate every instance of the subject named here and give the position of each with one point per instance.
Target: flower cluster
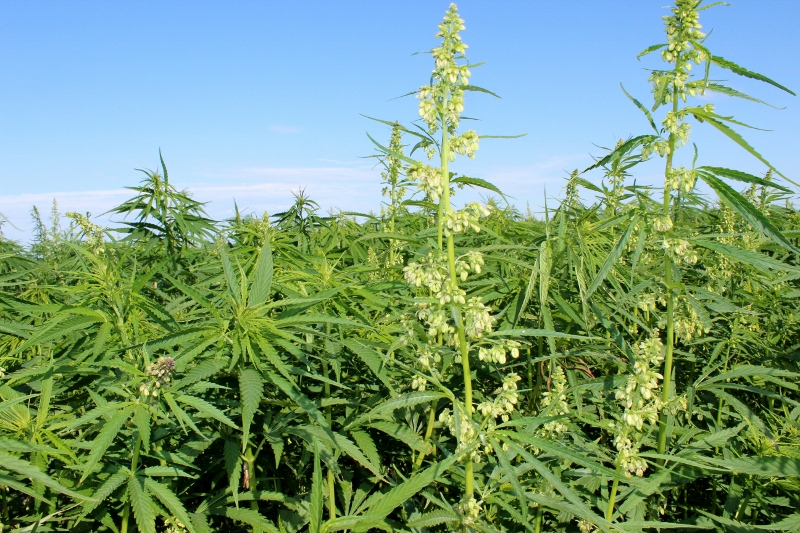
(470, 509)
(159, 373)
(506, 400)
(641, 402)
(477, 318)
(92, 232)
(467, 218)
(465, 144)
(444, 98)
(554, 403)
(681, 179)
(428, 180)
(681, 251)
(683, 32)
(662, 223)
(461, 427)
(471, 261)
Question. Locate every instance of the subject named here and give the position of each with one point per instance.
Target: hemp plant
(684, 49)
(451, 319)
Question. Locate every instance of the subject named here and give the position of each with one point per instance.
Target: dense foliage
(629, 363)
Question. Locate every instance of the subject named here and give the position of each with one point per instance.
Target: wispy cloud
(254, 189)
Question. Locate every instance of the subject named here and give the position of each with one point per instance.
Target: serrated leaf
(205, 408)
(762, 262)
(433, 518)
(105, 438)
(251, 391)
(477, 182)
(262, 282)
(171, 502)
(21, 466)
(741, 71)
(144, 510)
(747, 211)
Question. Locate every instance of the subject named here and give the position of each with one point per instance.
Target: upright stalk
(445, 209)
(666, 391)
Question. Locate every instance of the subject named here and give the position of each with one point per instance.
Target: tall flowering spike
(444, 97)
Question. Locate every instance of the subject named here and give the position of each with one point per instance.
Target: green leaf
(248, 516)
(477, 182)
(262, 282)
(405, 490)
(511, 476)
(611, 259)
(300, 399)
(205, 408)
(144, 510)
(26, 469)
(372, 358)
(165, 471)
(621, 150)
(747, 211)
(105, 438)
(230, 277)
(722, 89)
(141, 420)
(738, 175)
(642, 108)
(760, 466)
(402, 433)
(392, 404)
(251, 391)
(736, 69)
(171, 502)
(650, 50)
(762, 262)
(478, 89)
(738, 139)
(581, 509)
(434, 518)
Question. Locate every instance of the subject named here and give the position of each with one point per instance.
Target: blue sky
(252, 100)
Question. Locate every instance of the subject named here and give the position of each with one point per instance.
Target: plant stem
(537, 526)
(612, 498)
(445, 209)
(670, 346)
(428, 432)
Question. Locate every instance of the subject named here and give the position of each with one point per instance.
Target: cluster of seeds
(159, 374)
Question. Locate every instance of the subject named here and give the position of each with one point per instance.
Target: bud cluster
(428, 179)
(443, 99)
(640, 399)
(467, 218)
(465, 144)
(554, 402)
(159, 373)
(92, 232)
(506, 400)
(681, 179)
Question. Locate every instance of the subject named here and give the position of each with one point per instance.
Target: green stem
(444, 205)
(537, 526)
(126, 511)
(250, 459)
(612, 498)
(668, 266)
(428, 432)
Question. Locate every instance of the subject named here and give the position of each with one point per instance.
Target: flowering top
(443, 99)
